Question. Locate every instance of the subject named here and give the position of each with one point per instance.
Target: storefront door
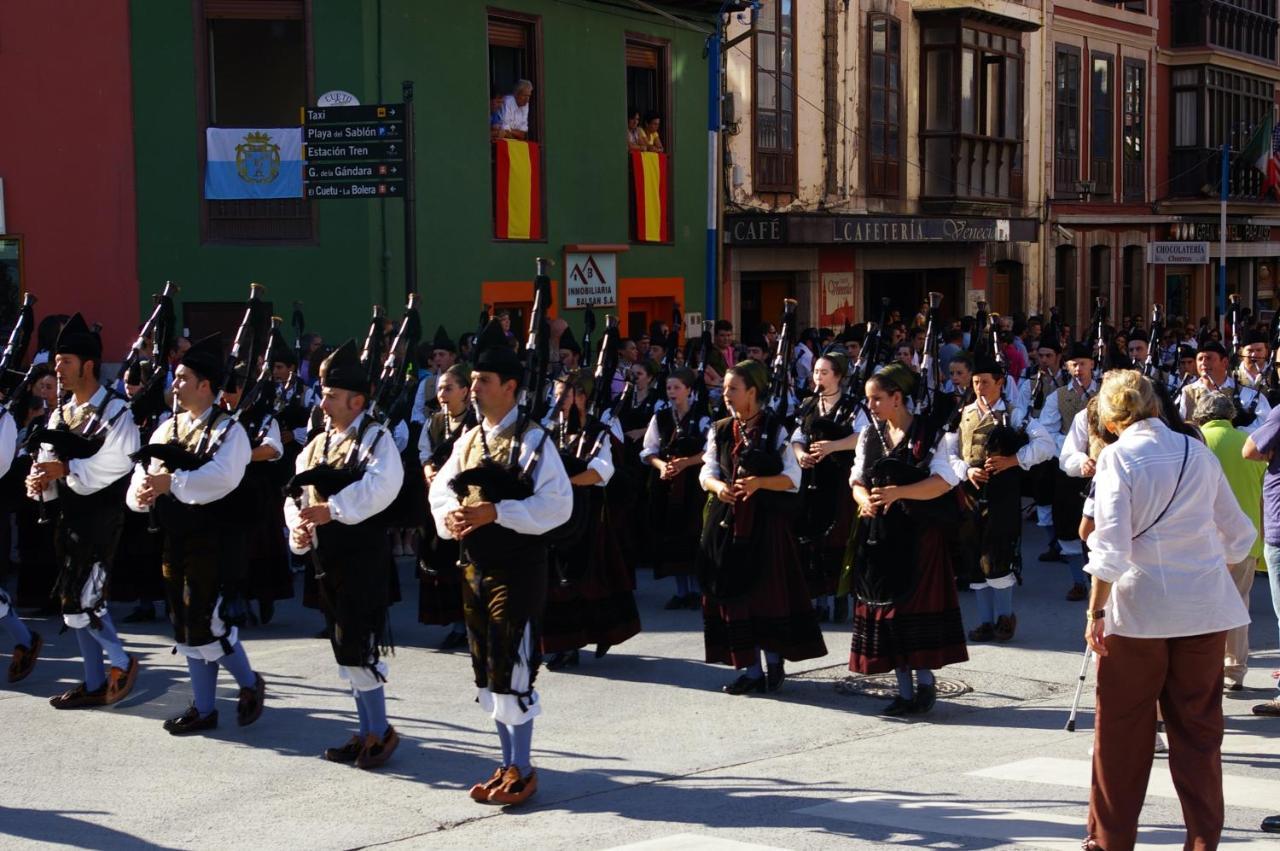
(908, 289)
(642, 312)
(762, 301)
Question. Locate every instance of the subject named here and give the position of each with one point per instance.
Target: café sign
(877, 230)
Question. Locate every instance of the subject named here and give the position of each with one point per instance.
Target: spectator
(1213, 415)
(960, 368)
(495, 116)
(1261, 446)
(1167, 526)
(952, 345)
(635, 133)
(904, 354)
(627, 356)
(515, 111)
(649, 133)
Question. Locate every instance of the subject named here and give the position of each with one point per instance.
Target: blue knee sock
(986, 604)
(682, 585)
(110, 641)
(237, 664)
(504, 738)
(204, 684)
(362, 713)
(905, 689)
(16, 628)
(1077, 571)
(772, 659)
(375, 704)
(95, 673)
(522, 747)
(924, 677)
(1004, 601)
(754, 669)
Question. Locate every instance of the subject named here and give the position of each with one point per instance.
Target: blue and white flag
(253, 163)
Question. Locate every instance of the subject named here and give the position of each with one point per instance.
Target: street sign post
(364, 151)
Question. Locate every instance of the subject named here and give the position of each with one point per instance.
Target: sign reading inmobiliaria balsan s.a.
(590, 280)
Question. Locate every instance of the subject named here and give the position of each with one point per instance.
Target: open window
(884, 106)
(253, 70)
(516, 126)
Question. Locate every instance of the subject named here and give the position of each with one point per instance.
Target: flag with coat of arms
(253, 163)
(1263, 153)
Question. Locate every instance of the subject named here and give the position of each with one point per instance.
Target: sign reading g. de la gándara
(784, 229)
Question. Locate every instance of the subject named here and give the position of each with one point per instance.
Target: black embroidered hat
(342, 369)
(78, 339)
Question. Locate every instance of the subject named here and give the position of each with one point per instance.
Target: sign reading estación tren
(354, 151)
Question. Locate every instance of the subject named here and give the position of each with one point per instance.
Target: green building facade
(253, 63)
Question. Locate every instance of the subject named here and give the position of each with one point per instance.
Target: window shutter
(249, 10)
(503, 33)
(641, 56)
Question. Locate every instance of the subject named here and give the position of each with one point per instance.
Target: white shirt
(1075, 446)
(1039, 444)
(1173, 579)
(711, 462)
(652, 446)
(552, 500)
(8, 442)
(110, 463)
(939, 463)
(209, 483)
(514, 116)
(1051, 414)
(424, 438)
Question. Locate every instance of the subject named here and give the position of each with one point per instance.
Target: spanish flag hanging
(649, 172)
(518, 204)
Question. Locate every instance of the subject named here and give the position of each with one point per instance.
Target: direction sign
(323, 170)
(382, 151)
(360, 189)
(379, 132)
(348, 114)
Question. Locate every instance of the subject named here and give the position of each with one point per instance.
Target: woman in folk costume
(906, 613)
(823, 444)
(625, 494)
(590, 598)
(673, 448)
(755, 599)
(440, 580)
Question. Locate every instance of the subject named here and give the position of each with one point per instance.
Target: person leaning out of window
(514, 121)
(1161, 605)
(635, 133)
(649, 138)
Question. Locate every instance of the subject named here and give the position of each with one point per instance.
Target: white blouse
(1170, 580)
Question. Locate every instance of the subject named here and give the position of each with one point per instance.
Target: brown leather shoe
(24, 658)
(249, 706)
(480, 792)
(120, 682)
(1077, 593)
(984, 632)
(79, 697)
(377, 751)
(1006, 626)
(347, 752)
(190, 722)
(1270, 709)
(514, 789)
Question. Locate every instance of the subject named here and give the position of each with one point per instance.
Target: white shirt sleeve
(8, 442)
(790, 466)
(798, 437)
(400, 436)
(1039, 446)
(602, 462)
(710, 469)
(219, 476)
(377, 488)
(951, 449)
(420, 402)
(514, 117)
(1075, 447)
(940, 466)
(1051, 419)
(1263, 408)
(652, 441)
(273, 440)
(424, 443)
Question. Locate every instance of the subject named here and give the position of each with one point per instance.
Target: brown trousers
(1184, 675)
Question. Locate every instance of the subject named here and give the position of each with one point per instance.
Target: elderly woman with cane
(1161, 605)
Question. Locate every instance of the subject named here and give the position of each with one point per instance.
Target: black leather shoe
(563, 659)
(900, 706)
(775, 676)
(1271, 824)
(602, 650)
(745, 685)
(266, 611)
(453, 641)
(926, 697)
(190, 722)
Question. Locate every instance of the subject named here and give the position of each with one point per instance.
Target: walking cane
(1075, 704)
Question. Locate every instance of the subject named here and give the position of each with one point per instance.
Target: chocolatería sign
(794, 229)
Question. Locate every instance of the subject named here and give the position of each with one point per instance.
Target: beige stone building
(881, 149)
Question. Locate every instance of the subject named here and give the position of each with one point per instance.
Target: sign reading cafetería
(780, 229)
(1178, 253)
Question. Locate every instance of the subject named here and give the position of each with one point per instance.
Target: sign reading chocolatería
(878, 230)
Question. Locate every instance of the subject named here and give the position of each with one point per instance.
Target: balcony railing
(1196, 173)
(964, 167)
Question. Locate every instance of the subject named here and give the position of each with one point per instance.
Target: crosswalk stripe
(1238, 791)
(1032, 828)
(692, 842)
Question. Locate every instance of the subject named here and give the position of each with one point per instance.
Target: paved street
(639, 750)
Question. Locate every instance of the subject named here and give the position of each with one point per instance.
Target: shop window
(1066, 120)
(972, 137)
(1133, 287)
(252, 70)
(1101, 124)
(773, 61)
(884, 88)
(1064, 282)
(1133, 134)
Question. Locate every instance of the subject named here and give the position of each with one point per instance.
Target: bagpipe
(148, 403)
(700, 398)
(496, 480)
(15, 383)
(839, 421)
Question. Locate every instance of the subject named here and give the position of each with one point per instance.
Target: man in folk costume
(89, 490)
(1041, 380)
(504, 556)
(1212, 365)
(444, 354)
(1060, 411)
(343, 531)
(986, 458)
(194, 508)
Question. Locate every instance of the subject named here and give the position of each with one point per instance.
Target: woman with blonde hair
(1161, 603)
